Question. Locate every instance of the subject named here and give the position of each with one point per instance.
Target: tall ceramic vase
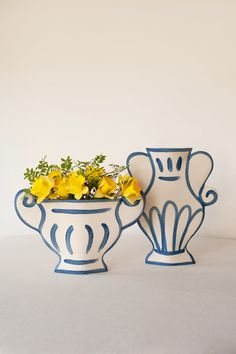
(173, 181)
(79, 232)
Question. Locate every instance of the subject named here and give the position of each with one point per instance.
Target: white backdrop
(84, 77)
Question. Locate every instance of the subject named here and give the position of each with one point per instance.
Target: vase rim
(99, 200)
(188, 149)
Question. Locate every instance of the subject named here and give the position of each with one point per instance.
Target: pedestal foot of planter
(72, 266)
(169, 259)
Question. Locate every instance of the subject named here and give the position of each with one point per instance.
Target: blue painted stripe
(84, 201)
(168, 149)
(90, 237)
(80, 211)
(105, 237)
(81, 261)
(151, 225)
(188, 224)
(68, 237)
(179, 163)
(175, 232)
(169, 253)
(143, 229)
(160, 165)
(169, 164)
(53, 237)
(192, 261)
(178, 217)
(100, 270)
(171, 264)
(174, 178)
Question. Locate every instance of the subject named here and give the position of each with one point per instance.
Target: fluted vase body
(173, 182)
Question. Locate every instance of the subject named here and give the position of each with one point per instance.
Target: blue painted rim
(169, 149)
(81, 272)
(192, 261)
(100, 200)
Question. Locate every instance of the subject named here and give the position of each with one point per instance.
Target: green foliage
(93, 170)
(94, 163)
(66, 164)
(42, 169)
(115, 171)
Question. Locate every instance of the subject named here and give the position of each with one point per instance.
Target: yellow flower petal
(75, 185)
(55, 173)
(106, 188)
(129, 188)
(42, 187)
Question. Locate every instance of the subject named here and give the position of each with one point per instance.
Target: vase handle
(128, 214)
(30, 213)
(197, 177)
(136, 163)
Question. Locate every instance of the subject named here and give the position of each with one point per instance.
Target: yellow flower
(93, 173)
(55, 173)
(41, 187)
(106, 188)
(61, 187)
(129, 188)
(76, 185)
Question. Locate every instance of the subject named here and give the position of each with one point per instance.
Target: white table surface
(132, 309)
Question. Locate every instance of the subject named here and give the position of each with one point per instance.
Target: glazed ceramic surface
(79, 232)
(173, 181)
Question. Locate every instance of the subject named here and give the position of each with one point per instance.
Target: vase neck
(169, 164)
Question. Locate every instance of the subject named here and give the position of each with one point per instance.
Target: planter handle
(138, 162)
(197, 178)
(128, 214)
(30, 213)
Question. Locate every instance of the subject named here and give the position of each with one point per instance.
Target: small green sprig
(42, 169)
(115, 171)
(94, 163)
(66, 164)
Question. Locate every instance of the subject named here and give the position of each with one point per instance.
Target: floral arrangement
(80, 180)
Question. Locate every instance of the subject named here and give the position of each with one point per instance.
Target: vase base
(90, 266)
(165, 259)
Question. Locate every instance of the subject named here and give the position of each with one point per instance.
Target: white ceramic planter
(80, 232)
(173, 181)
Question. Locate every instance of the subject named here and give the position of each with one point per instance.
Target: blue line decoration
(169, 164)
(80, 211)
(134, 154)
(161, 239)
(90, 238)
(157, 235)
(160, 164)
(168, 150)
(156, 243)
(105, 237)
(210, 192)
(179, 163)
(27, 204)
(171, 178)
(80, 262)
(89, 271)
(143, 229)
(77, 201)
(53, 236)
(68, 238)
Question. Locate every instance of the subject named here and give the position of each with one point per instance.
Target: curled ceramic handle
(200, 167)
(30, 213)
(137, 163)
(208, 195)
(128, 214)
